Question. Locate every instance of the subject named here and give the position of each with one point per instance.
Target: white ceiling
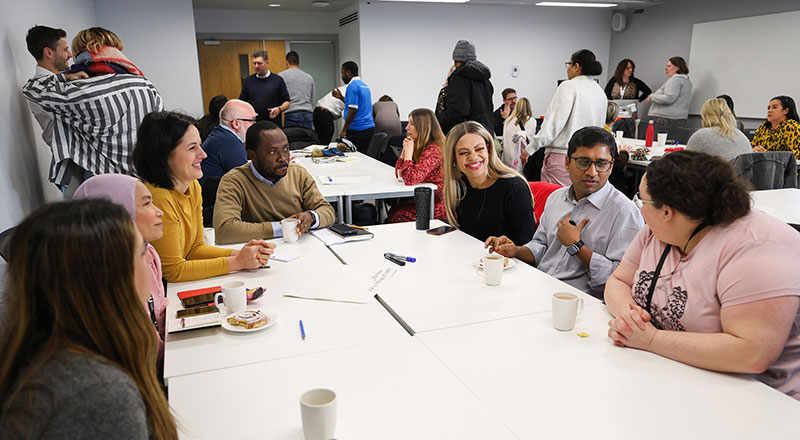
(336, 5)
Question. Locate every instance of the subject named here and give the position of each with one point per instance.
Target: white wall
(350, 37)
(406, 49)
(666, 30)
(159, 37)
(25, 157)
(264, 22)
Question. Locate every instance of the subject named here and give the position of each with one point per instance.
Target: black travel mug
(422, 200)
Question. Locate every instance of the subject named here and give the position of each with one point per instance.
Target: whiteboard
(751, 59)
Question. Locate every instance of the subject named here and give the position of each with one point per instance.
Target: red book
(199, 297)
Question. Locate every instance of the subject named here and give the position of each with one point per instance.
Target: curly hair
(699, 185)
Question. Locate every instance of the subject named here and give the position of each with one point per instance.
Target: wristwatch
(575, 248)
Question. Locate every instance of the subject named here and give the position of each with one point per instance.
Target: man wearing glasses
(225, 144)
(587, 226)
(252, 199)
(501, 114)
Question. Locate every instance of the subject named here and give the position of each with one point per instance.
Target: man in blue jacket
(225, 145)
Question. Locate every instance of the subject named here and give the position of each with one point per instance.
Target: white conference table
(328, 324)
(547, 384)
(783, 204)
(444, 288)
(376, 180)
(395, 389)
(655, 151)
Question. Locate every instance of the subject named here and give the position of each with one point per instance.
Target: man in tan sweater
(252, 199)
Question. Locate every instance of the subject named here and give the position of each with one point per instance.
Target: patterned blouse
(428, 169)
(784, 137)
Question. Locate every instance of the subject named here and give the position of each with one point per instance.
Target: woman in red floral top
(420, 162)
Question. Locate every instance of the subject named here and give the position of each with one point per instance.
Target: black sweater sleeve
(610, 87)
(641, 89)
(520, 224)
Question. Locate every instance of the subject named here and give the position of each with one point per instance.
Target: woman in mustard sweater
(167, 157)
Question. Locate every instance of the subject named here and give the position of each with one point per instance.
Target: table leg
(340, 209)
(348, 210)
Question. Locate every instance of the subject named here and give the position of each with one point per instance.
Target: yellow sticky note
(583, 335)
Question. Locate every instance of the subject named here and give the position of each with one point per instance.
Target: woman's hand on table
(632, 329)
(252, 255)
(502, 245)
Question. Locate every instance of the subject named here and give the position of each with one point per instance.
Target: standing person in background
(387, 116)
(670, 103)
(518, 123)
(718, 136)
(266, 92)
(328, 109)
(50, 49)
(729, 101)
(358, 125)
(578, 102)
(211, 119)
(468, 96)
(420, 162)
(623, 85)
(79, 354)
(301, 93)
(781, 130)
(501, 114)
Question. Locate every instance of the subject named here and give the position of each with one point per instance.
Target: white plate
(272, 318)
(511, 263)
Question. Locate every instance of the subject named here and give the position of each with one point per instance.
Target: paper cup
(318, 413)
(289, 228)
(662, 139)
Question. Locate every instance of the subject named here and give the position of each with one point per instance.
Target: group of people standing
(86, 306)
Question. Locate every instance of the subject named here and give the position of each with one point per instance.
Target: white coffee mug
(566, 307)
(289, 228)
(620, 135)
(235, 297)
(493, 265)
(318, 413)
(209, 236)
(662, 139)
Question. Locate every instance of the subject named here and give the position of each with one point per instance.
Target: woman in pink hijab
(137, 200)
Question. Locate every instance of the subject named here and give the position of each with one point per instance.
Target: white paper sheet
(348, 283)
(284, 256)
(342, 180)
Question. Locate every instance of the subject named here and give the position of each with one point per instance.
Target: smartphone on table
(441, 230)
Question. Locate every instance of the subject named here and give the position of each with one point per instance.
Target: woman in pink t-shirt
(726, 282)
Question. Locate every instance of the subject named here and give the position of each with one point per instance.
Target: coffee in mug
(566, 308)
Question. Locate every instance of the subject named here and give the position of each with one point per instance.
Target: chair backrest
(678, 134)
(300, 137)
(5, 242)
(541, 191)
(209, 192)
(768, 170)
(375, 145)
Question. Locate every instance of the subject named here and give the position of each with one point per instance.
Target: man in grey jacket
(301, 93)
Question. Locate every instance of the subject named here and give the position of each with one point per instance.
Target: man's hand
(337, 94)
(76, 75)
(569, 234)
(505, 111)
(343, 133)
(304, 221)
(274, 112)
(502, 245)
(523, 157)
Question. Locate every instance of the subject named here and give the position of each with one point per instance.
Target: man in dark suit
(225, 145)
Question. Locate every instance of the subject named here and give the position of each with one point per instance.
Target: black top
(504, 208)
(499, 121)
(642, 91)
(468, 97)
(263, 94)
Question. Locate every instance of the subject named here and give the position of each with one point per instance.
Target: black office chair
(300, 137)
(376, 144)
(680, 135)
(768, 170)
(209, 192)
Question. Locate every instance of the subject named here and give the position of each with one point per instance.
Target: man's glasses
(568, 63)
(253, 119)
(639, 202)
(583, 163)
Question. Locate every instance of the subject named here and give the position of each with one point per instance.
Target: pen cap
(422, 200)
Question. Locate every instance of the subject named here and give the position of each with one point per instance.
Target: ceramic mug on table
(493, 265)
(566, 308)
(318, 413)
(289, 228)
(209, 237)
(235, 296)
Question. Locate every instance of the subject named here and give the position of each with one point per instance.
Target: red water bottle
(648, 138)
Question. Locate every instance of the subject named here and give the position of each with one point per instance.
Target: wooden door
(223, 66)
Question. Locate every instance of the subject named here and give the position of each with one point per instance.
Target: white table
(547, 384)
(783, 204)
(378, 181)
(391, 390)
(444, 288)
(655, 151)
(328, 324)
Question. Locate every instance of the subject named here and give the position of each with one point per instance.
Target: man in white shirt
(329, 108)
(50, 49)
(585, 227)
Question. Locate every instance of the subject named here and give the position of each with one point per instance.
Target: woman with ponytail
(79, 353)
(709, 281)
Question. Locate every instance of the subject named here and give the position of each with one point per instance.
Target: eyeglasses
(583, 163)
(284, 150)
(568, 63)
(639, 202)
(253, 119)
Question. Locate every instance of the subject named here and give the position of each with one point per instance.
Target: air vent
(344, 21)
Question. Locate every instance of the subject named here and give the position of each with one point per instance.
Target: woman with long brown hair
(79, 352)
(623, 85)
(420, 162)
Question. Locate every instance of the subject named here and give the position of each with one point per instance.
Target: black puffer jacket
(468, 97)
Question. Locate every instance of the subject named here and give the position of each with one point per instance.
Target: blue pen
(330, 179)
(302, 330)
(403, 257)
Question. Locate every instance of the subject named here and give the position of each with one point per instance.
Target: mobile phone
(441, 230)
(202, 310)
(342, 229)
